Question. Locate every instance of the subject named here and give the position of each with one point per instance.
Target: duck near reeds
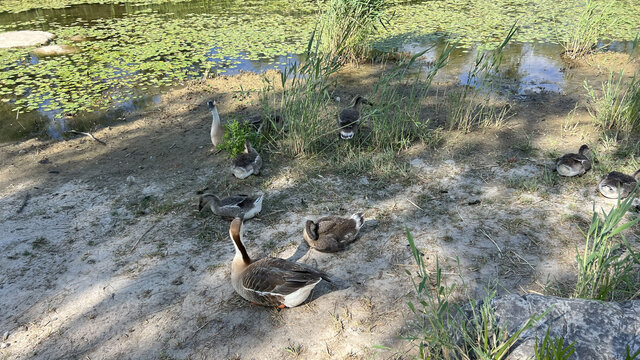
(574, 164)
(270, 281)
(258, 122)
(616, 184)
(332, 233)
(217, 130)
(349, 118)
(247, 163)
(236, 206)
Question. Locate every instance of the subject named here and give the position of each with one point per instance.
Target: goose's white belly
(299, 296)
(241, 173)
(565, 170)
(254, 211)
(608, 191)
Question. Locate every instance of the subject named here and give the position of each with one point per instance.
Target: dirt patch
(105, 255)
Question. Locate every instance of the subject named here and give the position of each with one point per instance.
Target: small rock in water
(55, 50)
(5, 336)
(131, 180)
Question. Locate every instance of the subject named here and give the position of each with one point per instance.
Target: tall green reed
(593, 21)
(347, 24)
(617, 107)
(471, 105)
(444, 330)
(608, 268)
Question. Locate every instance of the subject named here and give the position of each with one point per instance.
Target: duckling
(236, 206)
(617, 182)
(270, 281)
(349, 118)
(332, 233)
(574, 164)
(217, 130)
(247, 163)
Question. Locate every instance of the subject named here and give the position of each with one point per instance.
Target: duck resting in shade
(574, 164)
(270, 281)
(247, 163)
(332, 233)
(236, 206)
(617, 182)
(349, 118)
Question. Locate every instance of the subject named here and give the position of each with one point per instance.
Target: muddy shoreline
(106, 256)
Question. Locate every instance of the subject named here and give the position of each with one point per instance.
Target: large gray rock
(600, 330)
(24, 38)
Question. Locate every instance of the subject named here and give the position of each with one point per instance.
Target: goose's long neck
(241, 257)
(357, 104)
(215, 117)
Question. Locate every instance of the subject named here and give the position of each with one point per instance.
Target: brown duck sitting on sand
(616, 183)
(270, 281)
(247, 163)
(349, 118)
(574, 164)
(332, 233)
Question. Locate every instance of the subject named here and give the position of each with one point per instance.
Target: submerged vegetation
(140, 47)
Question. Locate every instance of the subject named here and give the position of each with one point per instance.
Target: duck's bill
(346, 135)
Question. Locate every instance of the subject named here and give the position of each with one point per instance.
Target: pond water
(133, 52)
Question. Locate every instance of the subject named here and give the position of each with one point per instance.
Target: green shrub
(235, 134)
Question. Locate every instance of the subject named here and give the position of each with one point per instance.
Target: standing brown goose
(332, 233)
(618, 183)
(247, 163)
(574, 164)
(349, 118)
(270, 281)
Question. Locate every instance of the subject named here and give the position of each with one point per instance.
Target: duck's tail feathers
(359, 219)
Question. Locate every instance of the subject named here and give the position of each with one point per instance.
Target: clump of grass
(552, 349)
(617, 109)
(310, 131)
(396, 121)
(446, 331)
(608, 269)
(471, 105)
(346, 25)
(594, 20)
(304, 103)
